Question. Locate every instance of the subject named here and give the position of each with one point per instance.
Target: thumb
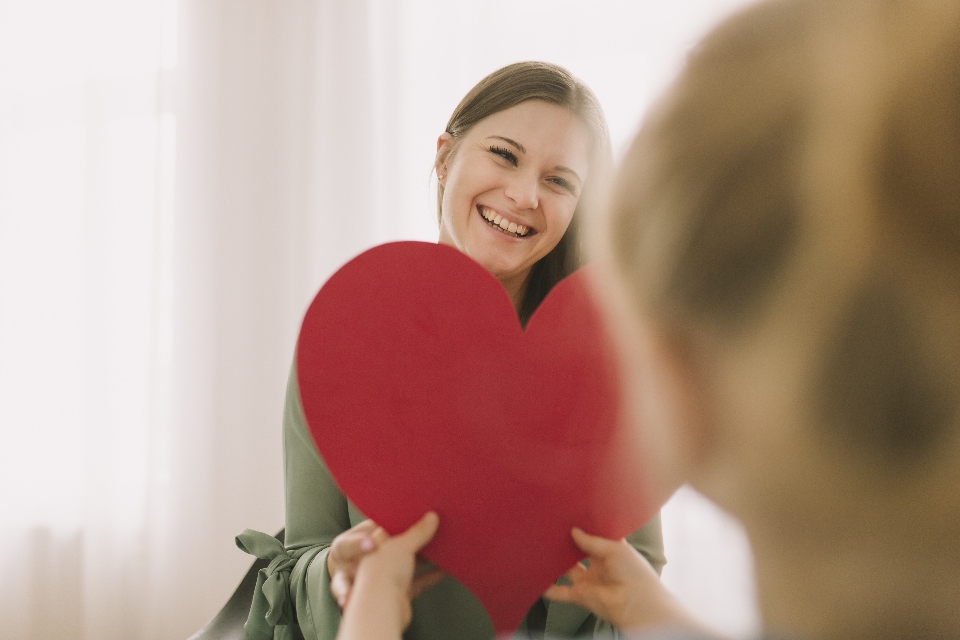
(593, 546)
(418, 535)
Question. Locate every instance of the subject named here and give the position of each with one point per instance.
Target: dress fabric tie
(271, 612)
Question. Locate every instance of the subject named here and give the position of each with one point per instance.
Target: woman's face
(511, 185)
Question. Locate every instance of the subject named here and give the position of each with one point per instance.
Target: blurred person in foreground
(783, 273)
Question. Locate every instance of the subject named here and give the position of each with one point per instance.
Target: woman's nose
(522, 190)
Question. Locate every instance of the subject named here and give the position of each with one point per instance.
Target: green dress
(297, 582)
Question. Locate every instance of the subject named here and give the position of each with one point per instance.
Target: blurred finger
(346, 552)
(360, 532)
(425, 580)
(560, 593)
(379, 536)
(422, 531)
(359, 541)
(575, 572)
(367, 526)
(592, 545)
(350, 546)
(340, 586)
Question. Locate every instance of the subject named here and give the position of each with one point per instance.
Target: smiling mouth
(500, 223)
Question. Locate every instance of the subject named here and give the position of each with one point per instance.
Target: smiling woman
(509, 189)
(538, 135)
(513, 165)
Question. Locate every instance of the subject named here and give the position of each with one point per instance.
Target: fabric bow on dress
(271, 613)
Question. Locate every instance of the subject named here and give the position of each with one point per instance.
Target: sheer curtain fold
(163, 224)
(273, 159)
(77, 170)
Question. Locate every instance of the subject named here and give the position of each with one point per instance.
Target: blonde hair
(508, 87)
(806, 166)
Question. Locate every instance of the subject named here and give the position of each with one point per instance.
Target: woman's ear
(444, 147)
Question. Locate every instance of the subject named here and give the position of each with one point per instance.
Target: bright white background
(176, 181)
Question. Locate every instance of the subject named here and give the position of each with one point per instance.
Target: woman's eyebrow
(563, 169)
(513, 143)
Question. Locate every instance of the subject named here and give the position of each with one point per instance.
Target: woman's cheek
(565, 215)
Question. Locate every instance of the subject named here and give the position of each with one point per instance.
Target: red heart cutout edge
(423, 392)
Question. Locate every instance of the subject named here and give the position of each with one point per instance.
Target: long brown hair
(508, 87)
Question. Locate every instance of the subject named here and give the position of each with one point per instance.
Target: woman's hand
(344, 557)
(386, 582)
(350, 547)
(620, 586)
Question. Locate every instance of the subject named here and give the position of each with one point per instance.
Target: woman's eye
(506, 154)
(563, 183)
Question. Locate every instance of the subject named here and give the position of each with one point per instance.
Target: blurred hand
(620, 586)
(351, 546)
(386, 581)
(344, 557)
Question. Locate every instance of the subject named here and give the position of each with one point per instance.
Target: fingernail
(367, 545)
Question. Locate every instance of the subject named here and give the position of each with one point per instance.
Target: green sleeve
(648, 540)
(316, 512)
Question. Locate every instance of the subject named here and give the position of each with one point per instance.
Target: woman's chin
(503, 270)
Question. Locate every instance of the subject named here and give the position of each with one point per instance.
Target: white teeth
(497, 220)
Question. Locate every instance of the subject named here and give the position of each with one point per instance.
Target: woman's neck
(516, 287)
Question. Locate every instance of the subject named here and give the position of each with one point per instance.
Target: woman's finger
(353, 544)
(367, 526)
(362, 531)
(340, 586)
(349, 551)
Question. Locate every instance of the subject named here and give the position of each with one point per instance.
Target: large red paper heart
(423, 392)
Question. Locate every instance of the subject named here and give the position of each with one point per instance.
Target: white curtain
(176, 181)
